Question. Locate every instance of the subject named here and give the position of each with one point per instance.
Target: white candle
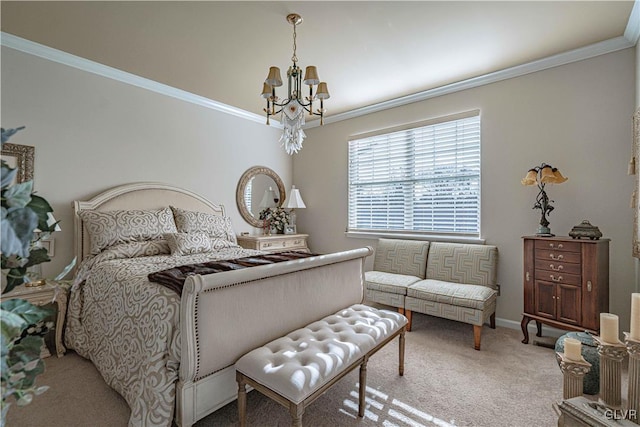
(572, 349)
(609, 328)
(634, 332)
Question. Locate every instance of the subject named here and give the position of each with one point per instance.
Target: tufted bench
(297, 369)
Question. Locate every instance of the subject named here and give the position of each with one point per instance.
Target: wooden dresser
(275, 242)
(566, 283)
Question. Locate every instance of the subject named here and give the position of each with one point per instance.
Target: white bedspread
(129, 328)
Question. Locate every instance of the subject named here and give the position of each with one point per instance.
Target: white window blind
(421, 180)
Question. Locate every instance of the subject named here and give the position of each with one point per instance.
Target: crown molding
(632, 32)
(51, 54)
(629, 39)
(601, 48)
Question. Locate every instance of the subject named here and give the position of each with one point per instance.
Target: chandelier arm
(287, 101)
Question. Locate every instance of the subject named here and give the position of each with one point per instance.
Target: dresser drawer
(557, 277)
(558, 266)
(554, 255)
(557, 246)
(288, 244)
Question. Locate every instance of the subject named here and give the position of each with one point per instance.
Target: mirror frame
(242, 185)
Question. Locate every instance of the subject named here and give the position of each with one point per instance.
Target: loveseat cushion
(401, 257)
(462, 295)
(388, 282)
(463, 263)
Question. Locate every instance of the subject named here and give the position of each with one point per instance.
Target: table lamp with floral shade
(540, 176)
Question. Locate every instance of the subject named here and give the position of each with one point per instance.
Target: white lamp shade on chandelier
(293, 107)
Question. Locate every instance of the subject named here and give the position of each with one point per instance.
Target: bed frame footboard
(225, 315)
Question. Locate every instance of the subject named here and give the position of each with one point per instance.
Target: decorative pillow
(216, 226)
(188, 243)
(139, 249)
(217, 244)
(107, 228)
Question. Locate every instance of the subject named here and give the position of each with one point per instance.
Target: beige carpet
(446, 383)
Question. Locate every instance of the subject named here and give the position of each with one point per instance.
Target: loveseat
(455, 281)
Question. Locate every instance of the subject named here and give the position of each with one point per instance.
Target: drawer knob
(560, 246)
(526, 276)
(589, 285)
(555, 279)
(556, 258)
(554, 268)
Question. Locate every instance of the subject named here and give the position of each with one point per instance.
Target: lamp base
(544, 232)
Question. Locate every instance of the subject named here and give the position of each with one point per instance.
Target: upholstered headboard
(141, 195)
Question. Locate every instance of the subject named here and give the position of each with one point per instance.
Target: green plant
(23, 324)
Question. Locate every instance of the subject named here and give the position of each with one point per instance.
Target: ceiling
(367, 51)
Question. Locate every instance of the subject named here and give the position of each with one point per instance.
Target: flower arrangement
(275, 218)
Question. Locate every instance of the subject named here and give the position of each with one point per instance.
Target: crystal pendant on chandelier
(293, 107)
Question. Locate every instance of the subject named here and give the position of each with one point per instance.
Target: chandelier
(293, 107)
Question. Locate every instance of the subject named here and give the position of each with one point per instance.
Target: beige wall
(92, 133)
(575, 117)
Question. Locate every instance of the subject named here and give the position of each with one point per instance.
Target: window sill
(410, 236)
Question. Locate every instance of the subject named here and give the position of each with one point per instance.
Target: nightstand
(275, 242)
(50, 292)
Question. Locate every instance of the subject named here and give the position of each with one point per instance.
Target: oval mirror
(259, 188)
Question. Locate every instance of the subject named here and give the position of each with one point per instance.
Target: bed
(171, 356)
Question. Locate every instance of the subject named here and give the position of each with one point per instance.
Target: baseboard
(546, 330)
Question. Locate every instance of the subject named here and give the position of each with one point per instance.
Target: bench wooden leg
(363, 386)
(407, 314)
(296, 411)
(242, 400)
(477, 331)
(492, 321)
(401, 356)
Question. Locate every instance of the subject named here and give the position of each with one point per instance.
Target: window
(422, 179)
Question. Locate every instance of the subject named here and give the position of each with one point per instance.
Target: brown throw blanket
(174, 278)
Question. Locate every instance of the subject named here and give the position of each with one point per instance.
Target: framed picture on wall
(289, 229)
(20, 157)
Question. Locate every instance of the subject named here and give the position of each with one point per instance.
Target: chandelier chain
(294, 58)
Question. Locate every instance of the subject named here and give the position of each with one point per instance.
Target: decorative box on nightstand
(275, 242)
(48, 293)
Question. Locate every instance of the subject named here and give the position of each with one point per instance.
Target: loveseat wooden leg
(477, 331)
(492, 321)
(408, 314)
